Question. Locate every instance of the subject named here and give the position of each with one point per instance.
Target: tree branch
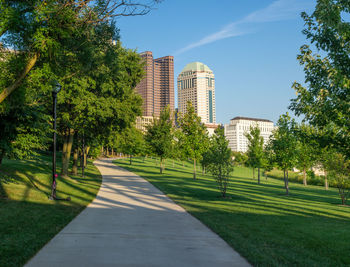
(30, 64)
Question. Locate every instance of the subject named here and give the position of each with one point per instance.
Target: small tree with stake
(132, 142)
(255, 149)
(338, 168)
(159, 136)
(283, 144)
(219, 161)
(193, 137)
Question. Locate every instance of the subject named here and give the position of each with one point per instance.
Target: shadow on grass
(301, 229)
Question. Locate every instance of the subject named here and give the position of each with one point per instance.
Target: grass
(307, 228)
(28, 219)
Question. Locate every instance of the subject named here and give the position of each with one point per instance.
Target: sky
(250, 45)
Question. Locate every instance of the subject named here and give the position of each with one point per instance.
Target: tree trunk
(304, 177)
(194, 169)
(258, 175)
(87, 149)
(325, 180)
(130, 156)
(66, 151)
(286, 181)
(160, 166)
(30, 64)
(75, 162)
(2, 154)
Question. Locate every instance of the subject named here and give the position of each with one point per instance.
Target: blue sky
(251, 46)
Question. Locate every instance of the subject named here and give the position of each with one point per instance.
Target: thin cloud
(230, 30)
(279, 10)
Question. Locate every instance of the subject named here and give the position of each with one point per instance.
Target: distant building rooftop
(249, 119)
(196, 66)
(212, 125)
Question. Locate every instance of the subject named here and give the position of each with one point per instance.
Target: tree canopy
(325, 100)
(218, 160)
(159, 136)
(255, 150)
(193, 137)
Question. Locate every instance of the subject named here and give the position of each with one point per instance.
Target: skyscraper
(157, 87)
(196, 83)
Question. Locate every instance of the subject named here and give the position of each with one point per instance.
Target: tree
(283, 143)
(325, 100)
(44, 30)
(269, 159)
(193, 137)
(100, 102)
(325, 155)
(24, 126)
(132, 142)
(338, 168)
(159, 136)
(255, 151)
(306, 148)
(218, 160)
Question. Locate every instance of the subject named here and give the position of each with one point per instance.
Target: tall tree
(41, 30)
(283, 143)
(159, 136)
(325, 100)
(218, 160)
(24, 126)
(194, 136)
(255, 151)
(102, 101)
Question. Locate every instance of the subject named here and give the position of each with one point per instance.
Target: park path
(132, 223)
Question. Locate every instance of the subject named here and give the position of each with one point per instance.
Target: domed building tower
(196, 83)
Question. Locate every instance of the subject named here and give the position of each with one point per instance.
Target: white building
(211, 127)
(235, 131)
(196, 83)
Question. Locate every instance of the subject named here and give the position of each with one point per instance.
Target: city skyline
(251, 46)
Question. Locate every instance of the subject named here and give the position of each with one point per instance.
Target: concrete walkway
(131, 223)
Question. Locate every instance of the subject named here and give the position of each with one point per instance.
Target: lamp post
(55, 90)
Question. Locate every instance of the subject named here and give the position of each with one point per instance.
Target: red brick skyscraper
(157, 87)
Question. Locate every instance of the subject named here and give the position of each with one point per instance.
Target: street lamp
(56, 88)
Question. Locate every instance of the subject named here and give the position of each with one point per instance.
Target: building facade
(142, 122)
(196, 83)
(157, 87)
(238, 126)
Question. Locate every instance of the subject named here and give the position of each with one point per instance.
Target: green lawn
(28, 219)
(307, 228)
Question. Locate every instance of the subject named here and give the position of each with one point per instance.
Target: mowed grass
(28, 219)
(307, 228)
